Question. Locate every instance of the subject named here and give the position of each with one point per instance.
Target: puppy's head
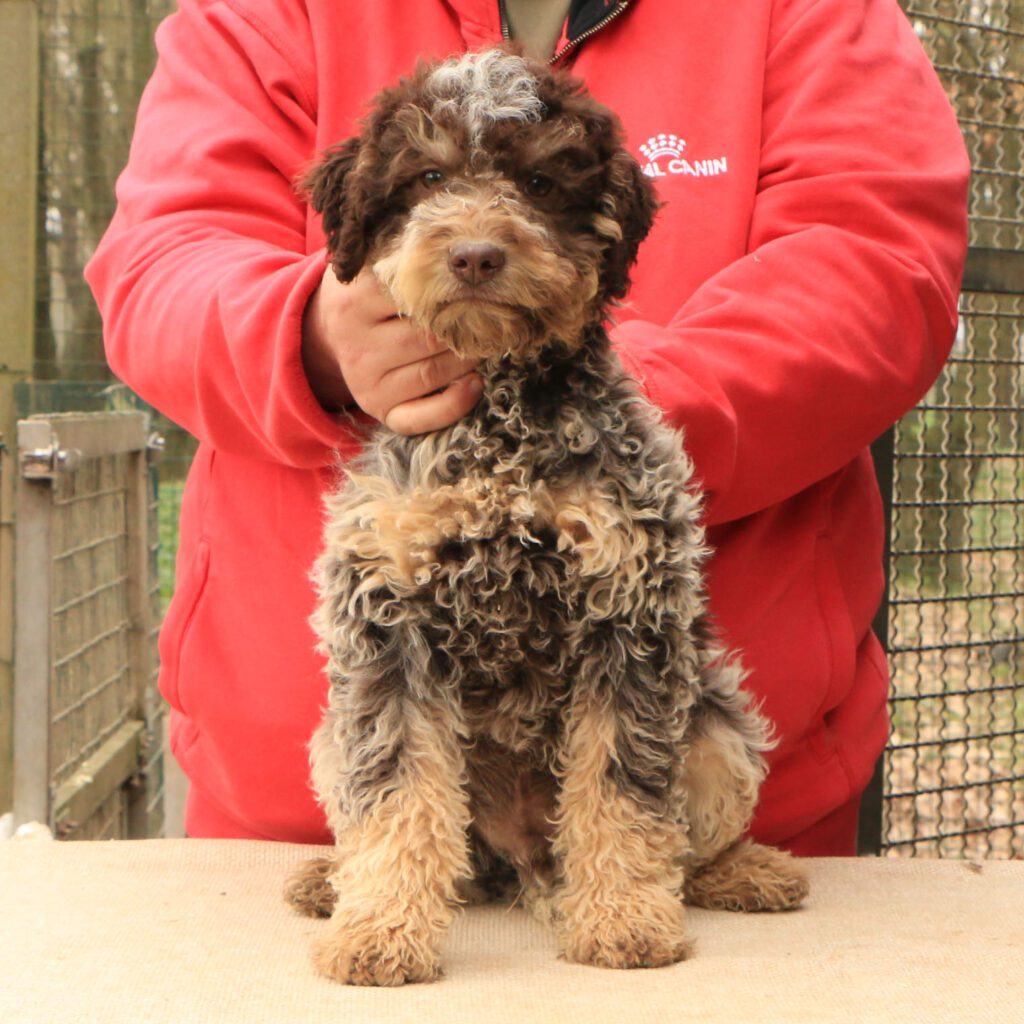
(493, 199)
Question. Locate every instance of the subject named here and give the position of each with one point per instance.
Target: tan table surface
(191, 930)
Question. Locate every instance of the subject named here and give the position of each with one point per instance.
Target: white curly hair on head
(481, 89)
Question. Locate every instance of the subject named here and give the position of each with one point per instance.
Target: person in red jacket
(797, 295)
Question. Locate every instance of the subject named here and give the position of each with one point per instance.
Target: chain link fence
(954, 770)
(953, 773)
(977, 47)
(955, 764)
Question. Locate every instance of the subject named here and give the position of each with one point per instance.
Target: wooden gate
(87, 718)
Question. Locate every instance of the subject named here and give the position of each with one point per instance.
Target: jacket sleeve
(203, 275)
(787, 363)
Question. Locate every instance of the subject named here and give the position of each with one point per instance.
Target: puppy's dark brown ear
(332, 191)
(632, 202)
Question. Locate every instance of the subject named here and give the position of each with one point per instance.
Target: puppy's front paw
(625, 945)
(640, 932)
(361, 955)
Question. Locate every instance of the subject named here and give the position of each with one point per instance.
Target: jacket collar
(480, 20)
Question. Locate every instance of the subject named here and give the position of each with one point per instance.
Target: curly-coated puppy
(522, 679)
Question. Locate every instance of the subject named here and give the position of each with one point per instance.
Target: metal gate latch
(46, 463)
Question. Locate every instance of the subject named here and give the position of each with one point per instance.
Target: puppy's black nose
(475, 262)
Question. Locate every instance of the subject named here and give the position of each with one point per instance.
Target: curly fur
(522, 677)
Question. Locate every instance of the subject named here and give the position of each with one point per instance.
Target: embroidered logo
(663, 155)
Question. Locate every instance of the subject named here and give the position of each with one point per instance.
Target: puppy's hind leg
(749, 877)
(722, 774)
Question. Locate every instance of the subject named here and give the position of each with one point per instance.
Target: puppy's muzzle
(475, 262)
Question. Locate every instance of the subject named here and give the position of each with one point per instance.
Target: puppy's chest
(516, 540)
(525, 534)
(515, 562)
(506, 550)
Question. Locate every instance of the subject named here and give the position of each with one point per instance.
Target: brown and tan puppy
(523, 683)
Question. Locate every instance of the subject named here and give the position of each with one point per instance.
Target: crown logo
(662, 144)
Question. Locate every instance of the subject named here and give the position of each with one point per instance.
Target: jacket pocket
(174, 632)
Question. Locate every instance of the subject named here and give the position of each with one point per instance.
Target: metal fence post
(19, 113)
(145, 805)
(869, 826)
(32, 649)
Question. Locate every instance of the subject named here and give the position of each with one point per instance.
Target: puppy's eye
(539, 185)
(432, 177)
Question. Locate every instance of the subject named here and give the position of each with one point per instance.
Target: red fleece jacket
(797, 295)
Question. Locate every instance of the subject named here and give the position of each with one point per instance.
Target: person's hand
(356, 349)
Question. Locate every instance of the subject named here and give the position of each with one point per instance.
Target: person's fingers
(397, 364)
(436, 411)
(370, 351)
(387, 361)
(424, 375)
(399, 342)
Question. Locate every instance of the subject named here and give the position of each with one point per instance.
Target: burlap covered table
(189, 930)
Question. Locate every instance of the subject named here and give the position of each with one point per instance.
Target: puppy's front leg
(402, 845)
(621, 901)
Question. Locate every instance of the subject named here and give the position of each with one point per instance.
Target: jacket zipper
(506, 33)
